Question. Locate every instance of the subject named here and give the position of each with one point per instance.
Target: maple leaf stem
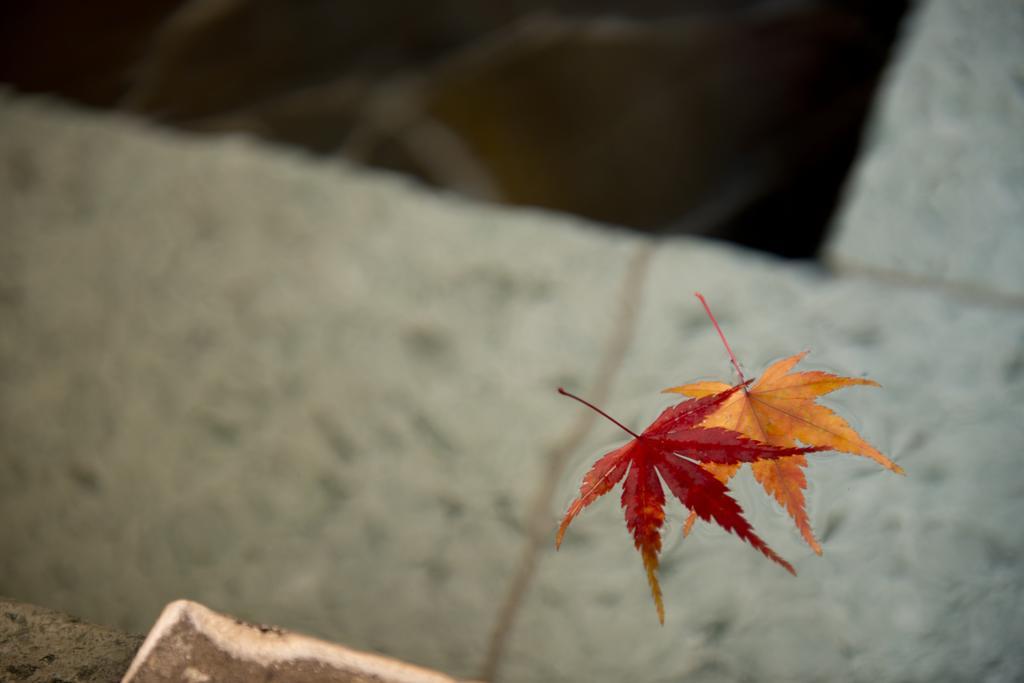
(732, 356)
(597, 410)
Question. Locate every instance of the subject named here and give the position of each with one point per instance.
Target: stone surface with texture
(323, 398)
(907, 560)
(939, 192)
(43, 645)
(296, 392)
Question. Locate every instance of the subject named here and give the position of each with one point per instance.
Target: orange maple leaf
(780, 409)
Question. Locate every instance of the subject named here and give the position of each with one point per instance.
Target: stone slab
(938, 194)
(908, 561)
(298, 392)
(320, 397)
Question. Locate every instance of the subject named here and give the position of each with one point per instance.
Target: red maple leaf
(671, 447)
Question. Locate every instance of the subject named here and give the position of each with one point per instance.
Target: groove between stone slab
(558, 455)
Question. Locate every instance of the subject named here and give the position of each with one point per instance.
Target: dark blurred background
(736, 119)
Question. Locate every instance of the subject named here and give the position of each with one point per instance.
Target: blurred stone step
(40, 644)
(938, 194)
(190, 642)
